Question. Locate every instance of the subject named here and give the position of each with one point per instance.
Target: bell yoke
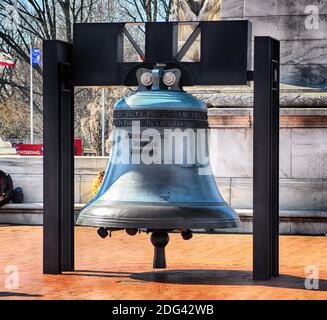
(158, 178)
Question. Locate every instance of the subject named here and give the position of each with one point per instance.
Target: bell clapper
(159, 239)
(105, 232)
(102, 232)
(131, 232)
(187, 234)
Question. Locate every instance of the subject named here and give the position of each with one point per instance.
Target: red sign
(24, 149)
(78, 146)
(29, 149)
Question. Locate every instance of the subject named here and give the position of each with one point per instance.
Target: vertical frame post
(58, 163)
(266, 158)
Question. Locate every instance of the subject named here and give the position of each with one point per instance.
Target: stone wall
(27, 172)
(300, 25)
(303, 157)
(303, 160)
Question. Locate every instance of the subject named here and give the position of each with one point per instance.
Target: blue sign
(36, 56)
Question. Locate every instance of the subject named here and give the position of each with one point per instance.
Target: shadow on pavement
(222, 277)
(18, 294)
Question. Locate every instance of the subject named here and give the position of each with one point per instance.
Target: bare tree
(12, 120)
(91, 123)
(29, 22)
(36, 20)
(146, 10)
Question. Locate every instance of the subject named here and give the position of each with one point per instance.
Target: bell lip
(96, 222)
(144, 217)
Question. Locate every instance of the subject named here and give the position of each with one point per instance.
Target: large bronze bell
(159, 178)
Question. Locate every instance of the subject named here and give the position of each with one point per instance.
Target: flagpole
(103, 120)
(31, 94)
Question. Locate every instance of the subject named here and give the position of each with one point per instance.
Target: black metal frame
(266, 158)
(58, 162)
(225, 53)
(225, 56)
